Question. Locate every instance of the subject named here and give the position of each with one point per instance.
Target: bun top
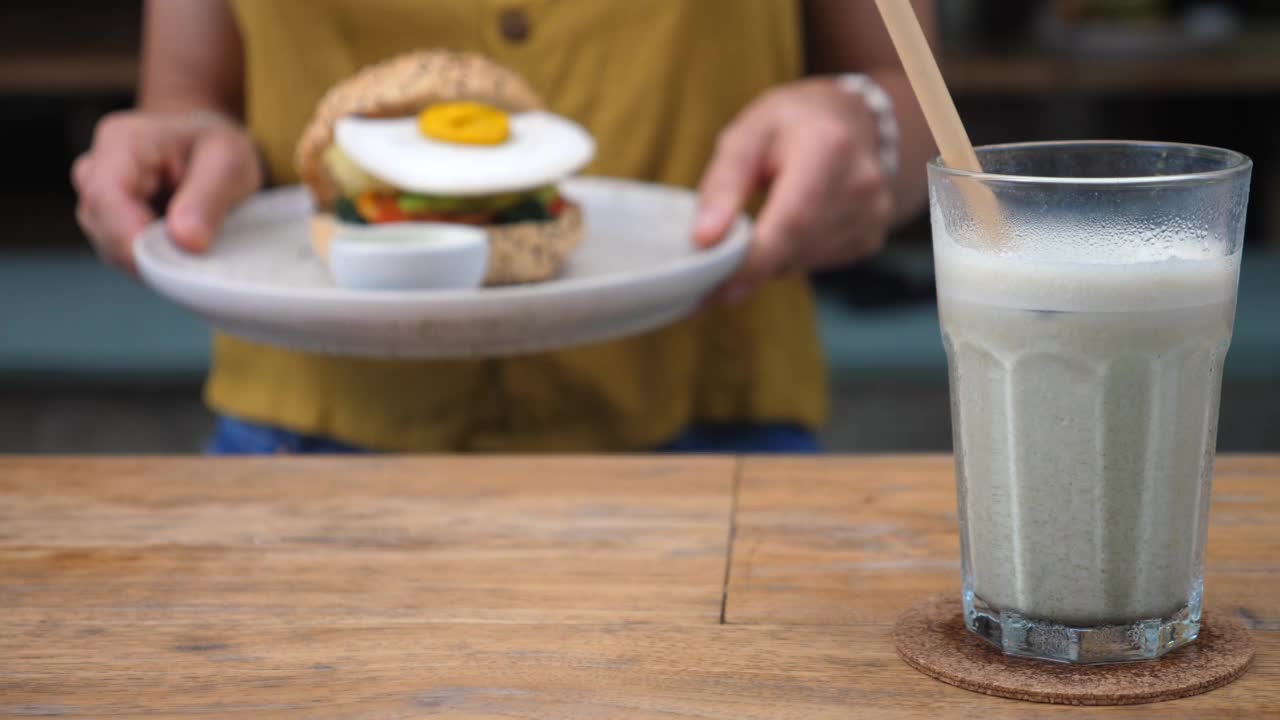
(402, 86)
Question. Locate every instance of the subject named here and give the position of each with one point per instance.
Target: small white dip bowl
(409, 256)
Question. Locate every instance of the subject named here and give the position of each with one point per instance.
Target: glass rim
(1235, 162)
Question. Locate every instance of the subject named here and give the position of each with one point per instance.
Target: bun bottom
(523, 252)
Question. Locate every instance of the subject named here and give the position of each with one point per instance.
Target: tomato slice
(379, 208)
(389, 210)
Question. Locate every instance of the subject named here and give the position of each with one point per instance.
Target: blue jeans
(238, 437)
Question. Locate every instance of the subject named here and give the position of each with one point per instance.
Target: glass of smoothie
(1086, 292)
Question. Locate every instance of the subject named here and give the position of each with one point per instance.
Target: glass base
(1017, 634)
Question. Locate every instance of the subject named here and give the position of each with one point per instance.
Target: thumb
(222, 171)
(735, 170)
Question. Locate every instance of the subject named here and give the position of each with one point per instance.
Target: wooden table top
(655, 587)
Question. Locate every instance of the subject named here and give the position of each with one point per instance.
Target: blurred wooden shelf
(1031, 73)
(105, 72)
(101, 72)
(69, 48)
(1251, 68)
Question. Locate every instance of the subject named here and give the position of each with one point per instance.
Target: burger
(436, 139)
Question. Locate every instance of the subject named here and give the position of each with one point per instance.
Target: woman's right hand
(206, 163)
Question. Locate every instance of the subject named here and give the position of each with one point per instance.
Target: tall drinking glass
(1085, 322)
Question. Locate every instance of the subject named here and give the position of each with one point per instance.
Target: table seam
(733, 534)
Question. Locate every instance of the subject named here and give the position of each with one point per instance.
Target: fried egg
(541, 148)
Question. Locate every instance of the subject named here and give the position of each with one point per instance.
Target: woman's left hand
(815, 147)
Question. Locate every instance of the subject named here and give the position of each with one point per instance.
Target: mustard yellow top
(654, 81)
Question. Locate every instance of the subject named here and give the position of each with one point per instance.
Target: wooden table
(522, 588)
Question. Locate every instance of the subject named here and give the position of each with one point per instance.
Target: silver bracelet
(881, 106)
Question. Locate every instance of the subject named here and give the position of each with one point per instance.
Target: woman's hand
(207, 162)
(815, 148)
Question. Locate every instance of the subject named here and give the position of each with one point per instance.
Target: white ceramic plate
(636, 270)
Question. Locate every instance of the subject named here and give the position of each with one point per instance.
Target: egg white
(542, 149)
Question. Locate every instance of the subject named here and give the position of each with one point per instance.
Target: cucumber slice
(346, 211)
(527, 210)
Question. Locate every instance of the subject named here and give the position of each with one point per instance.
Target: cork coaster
(931, 637)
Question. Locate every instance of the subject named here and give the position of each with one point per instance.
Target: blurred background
(92, 362)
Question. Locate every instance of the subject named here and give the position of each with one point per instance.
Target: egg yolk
(469, 123)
